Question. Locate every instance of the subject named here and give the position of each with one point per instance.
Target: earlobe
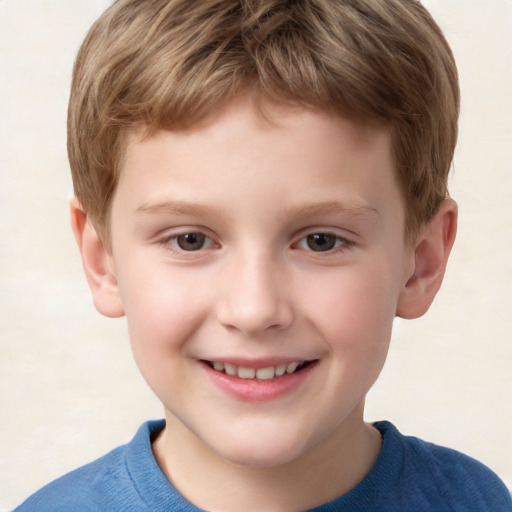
(97, 264)
(431, 252)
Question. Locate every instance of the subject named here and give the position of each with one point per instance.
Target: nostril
(254, 295)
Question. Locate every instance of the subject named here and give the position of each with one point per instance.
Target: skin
(258, 289)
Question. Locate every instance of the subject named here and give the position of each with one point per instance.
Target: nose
(255, 297)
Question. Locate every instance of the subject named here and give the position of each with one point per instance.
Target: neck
(331, 469)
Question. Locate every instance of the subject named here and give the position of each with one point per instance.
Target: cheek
(355, 323)
(355, 309)
(163, 307)
(163, 313)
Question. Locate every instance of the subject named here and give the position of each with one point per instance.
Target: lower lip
(254, 390)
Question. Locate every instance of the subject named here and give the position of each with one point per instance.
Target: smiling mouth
(267, 373)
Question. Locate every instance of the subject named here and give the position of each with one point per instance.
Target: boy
(260, 189)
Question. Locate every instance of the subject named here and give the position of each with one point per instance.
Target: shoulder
(460, 481)
(108, 483)
(83, 489)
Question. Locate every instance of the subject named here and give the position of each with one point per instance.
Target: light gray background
(69, 389)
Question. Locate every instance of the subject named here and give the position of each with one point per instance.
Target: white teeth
(292, 367)
(218, 366)
(281, 370)
(246, 373)
(230, 369)
(267, 373)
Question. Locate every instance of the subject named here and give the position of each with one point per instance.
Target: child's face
(251, 245)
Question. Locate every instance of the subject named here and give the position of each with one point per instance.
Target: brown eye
(191, 241)
(321, 242)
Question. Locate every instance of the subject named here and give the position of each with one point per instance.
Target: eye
(322, 242)
(187, 242)
(191, 241)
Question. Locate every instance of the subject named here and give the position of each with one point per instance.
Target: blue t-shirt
(410, 475)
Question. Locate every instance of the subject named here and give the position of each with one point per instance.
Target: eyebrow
(173, 208)
(332, 207)
(183, 208)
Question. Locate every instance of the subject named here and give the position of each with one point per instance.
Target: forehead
(247, 126)
(246, 149)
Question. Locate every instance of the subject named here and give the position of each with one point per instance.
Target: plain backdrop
(69, 389)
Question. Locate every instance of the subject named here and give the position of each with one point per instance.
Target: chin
(260, 451)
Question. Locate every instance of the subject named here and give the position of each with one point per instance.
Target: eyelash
(341, 244)
(171, 243)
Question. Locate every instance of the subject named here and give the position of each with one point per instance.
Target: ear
(98, 264)
(430, 252)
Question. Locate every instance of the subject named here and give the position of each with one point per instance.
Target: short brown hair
(169, 63)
